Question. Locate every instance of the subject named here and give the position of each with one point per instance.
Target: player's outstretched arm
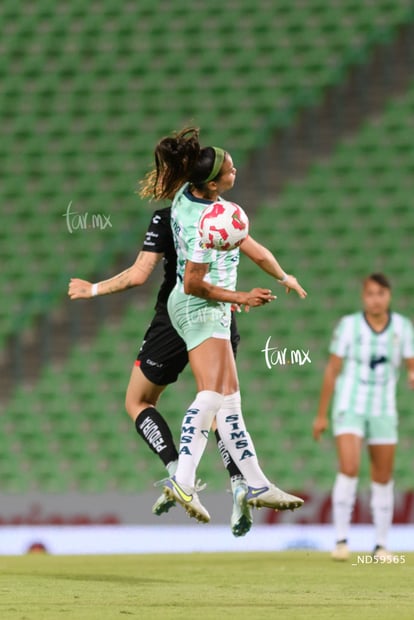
(266, 261)
(136, 275)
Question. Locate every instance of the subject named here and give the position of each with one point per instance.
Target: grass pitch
(203, 587)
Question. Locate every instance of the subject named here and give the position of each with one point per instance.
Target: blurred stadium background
(315, 101)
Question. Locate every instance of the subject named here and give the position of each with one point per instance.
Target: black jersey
(159, 239)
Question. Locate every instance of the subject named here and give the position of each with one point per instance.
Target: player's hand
(411, 380)
(79, 289)
(291, 284)
(257, 297)
(318, 427)
(235, 308)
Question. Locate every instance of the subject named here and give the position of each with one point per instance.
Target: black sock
(157, 434)
(228, 462)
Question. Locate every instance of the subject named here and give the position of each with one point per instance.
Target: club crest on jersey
(375, 361)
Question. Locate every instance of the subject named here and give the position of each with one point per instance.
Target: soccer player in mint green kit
(362, 372)
(199, 308)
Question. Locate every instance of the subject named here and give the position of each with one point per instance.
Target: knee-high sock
(238, 442)
(382, 507)
(343, 501)
(156, 433)
(194, 434)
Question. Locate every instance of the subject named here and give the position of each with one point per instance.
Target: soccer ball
(223, 226)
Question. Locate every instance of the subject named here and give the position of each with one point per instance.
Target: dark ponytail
(175, 159)
(178, 159)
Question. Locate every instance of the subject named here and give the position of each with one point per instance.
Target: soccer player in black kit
(161, 358)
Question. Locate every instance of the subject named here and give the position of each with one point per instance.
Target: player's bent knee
(382, 478)
(131, 410)
(135, 408)
(351, 471)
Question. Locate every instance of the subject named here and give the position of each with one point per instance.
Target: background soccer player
(362, 372)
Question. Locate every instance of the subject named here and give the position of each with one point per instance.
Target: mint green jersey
(367, 383)
(185, 214)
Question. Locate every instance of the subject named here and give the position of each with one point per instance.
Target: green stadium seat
(80, 120)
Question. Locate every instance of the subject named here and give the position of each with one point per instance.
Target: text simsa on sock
(237, 440)
(194, 434)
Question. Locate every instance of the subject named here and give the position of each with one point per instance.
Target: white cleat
(380, 553)
(241, 516)
(188, 498)
(162, 505)
(341, 551)
(272, 497)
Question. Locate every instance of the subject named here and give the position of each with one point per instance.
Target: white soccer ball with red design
(223, 226)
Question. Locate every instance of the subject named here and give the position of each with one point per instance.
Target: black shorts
(163, 354)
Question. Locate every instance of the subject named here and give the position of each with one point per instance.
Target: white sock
(343, 501)
(382, 507)
(238, 442)
(194, 434)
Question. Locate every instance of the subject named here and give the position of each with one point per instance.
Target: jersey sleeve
(158, 233)
(408, 340)
(340, 339)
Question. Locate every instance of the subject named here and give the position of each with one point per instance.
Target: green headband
(218, 162)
